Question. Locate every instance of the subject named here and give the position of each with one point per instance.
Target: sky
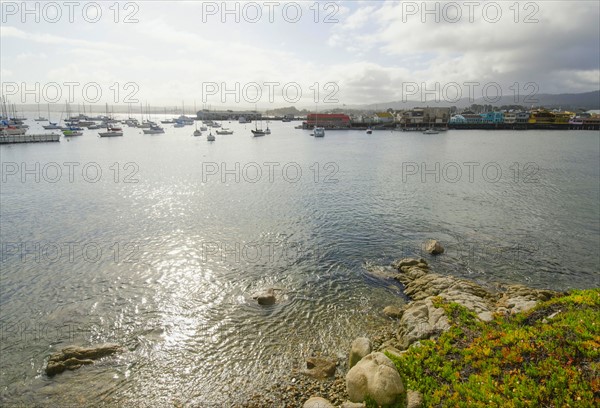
(268, 54)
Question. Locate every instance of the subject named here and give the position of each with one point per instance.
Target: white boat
(111, 132)
(154, 130)
(12, 131)
(225, 131)
(318, 131)
(431, 132)
(210, 137)
(369, 131)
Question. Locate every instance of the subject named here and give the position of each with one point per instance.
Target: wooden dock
(53, 137)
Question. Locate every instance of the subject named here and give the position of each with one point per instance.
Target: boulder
(320, 367)
(361, 347)
(421, 320)
(399, 264)
(433, 247)
(317, 402)
(265, 297)
(393, 311)
(73, 357)
(414, 399)
(350, 404)
(375, 376)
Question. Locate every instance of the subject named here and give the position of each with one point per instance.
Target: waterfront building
(492, 117)
(328, 120)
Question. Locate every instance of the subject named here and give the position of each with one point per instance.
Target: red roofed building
(328, 120)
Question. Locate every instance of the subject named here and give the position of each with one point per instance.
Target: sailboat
(318, 131)
(267, 130)
(40, 118)
(257, 132)
(196, 132)
(210, 137)
(50, 125)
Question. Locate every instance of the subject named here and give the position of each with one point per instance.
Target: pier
(6, 139)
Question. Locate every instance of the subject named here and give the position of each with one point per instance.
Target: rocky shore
(368, 374)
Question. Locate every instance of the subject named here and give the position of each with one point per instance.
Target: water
(163, 252)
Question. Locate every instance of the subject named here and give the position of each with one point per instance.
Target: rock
(320, 367)
(317, 402)
(73, 357)
(414, 399)
(421, 320)
(393, 311)
(408, 262)
(433, 247)
(350, 404)
(361, 346)
(374, 376)
(266, 297)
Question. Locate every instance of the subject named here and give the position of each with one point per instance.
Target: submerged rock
(399, 264)
(361, 347)
(320, 367)
(73, 357)
(265, 297)
(433, 247)
(375, 376)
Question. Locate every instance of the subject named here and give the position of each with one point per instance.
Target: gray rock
(350, 404)
(74, 357)
(414, 399)
(266, 297)
(433, 247)
(317, 402)
(375, 376)
(408, 262)
(393, 311)
(421, 320)
(361, 346)
(320, 367)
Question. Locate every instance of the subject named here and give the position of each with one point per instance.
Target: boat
(369, 131)
(203, 128)
(242, 119)
(197, 132)
(225, 131)
(111, 132)
(179, 124)
(94, 127)
(70, 132)
(40, 118)
(257, 132)
(267, 130)
(210, 137)
(319, 132)
(154, 130)
(431, 132)
(52, 126)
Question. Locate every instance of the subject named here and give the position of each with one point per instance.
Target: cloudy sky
(352, 52)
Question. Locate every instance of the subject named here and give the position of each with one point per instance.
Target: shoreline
(425, 318)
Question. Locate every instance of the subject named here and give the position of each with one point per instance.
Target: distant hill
(571, 101)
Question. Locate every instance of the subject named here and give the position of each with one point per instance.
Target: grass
(525, 360)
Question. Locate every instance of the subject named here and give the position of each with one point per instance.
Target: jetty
(52, 137)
